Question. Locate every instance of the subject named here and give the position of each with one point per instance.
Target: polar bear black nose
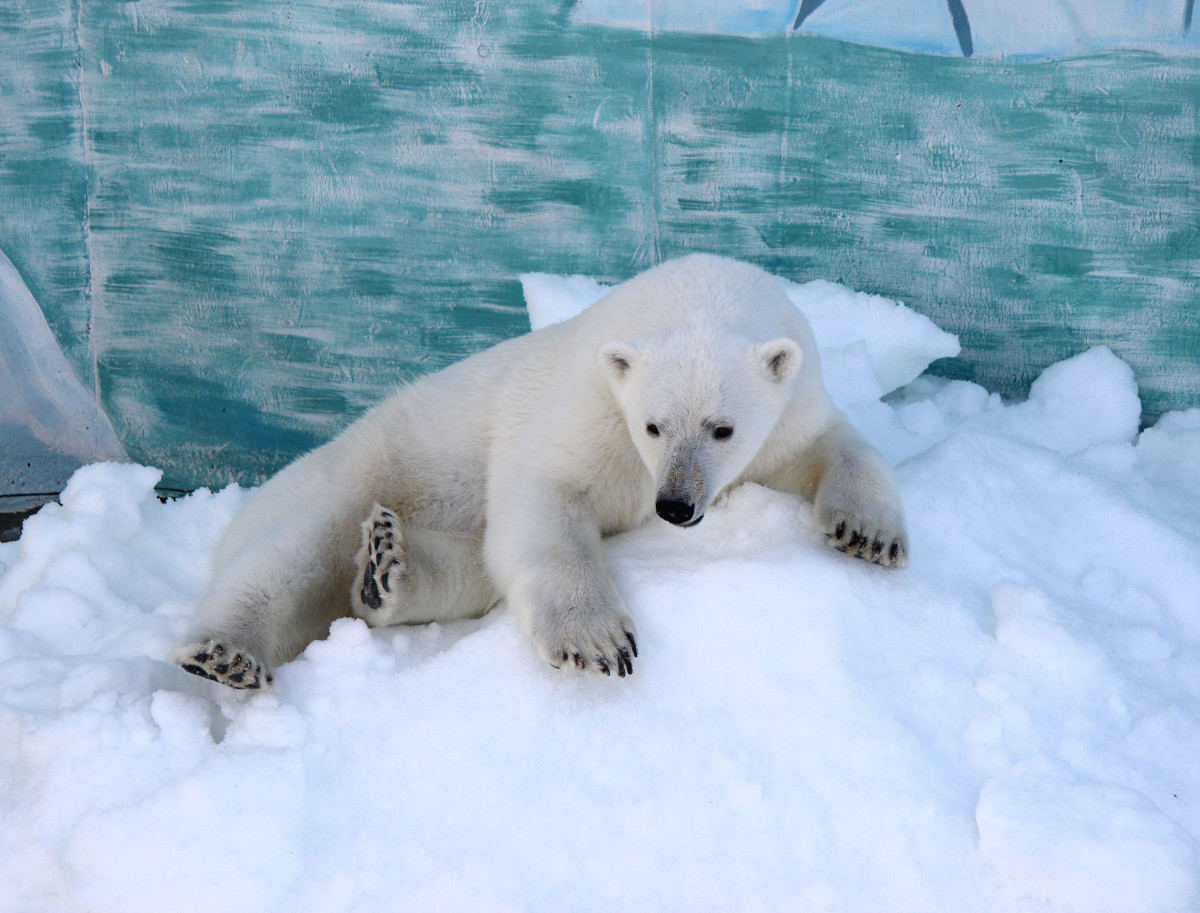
(677, 512)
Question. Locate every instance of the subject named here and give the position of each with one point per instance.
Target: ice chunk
(863, 336)
(553, 299)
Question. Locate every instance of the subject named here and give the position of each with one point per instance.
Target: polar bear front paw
(603, 646)
(382, 568)
(216, 662)
(881, 544)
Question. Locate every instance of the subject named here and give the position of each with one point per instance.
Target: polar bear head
(698, 407)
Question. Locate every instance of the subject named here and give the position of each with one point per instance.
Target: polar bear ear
(617, 358)
(779, 359)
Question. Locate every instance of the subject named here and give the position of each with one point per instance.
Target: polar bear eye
(652, 429)
(721, 432)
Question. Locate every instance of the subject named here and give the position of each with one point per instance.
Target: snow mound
(1009, 724)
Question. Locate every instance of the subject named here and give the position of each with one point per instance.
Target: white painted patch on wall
(41, 393)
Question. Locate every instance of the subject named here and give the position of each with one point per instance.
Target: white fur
(499, 476)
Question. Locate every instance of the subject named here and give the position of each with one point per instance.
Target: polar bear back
(545, 393)
(731, 297)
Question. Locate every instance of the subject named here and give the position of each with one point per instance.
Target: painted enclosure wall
(245, 221)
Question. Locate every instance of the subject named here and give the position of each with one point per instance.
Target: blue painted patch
(962, 26)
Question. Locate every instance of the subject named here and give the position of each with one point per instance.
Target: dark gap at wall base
(10, 523)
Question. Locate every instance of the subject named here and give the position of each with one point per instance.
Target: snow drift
(1009, 724)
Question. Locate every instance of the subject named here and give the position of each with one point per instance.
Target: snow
(1009, 724)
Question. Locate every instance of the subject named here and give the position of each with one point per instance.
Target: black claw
(218, 650)
(632, 642)
(565, 656)
(624, 658)
(876, 548)
(895, 551)
(383, 581)
(841, 529)
(855, 538)
(620, 668)
(578, 660)
(603, 664)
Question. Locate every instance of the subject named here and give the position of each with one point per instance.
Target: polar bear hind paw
(885, 547)
(382, 560)
(217, 662)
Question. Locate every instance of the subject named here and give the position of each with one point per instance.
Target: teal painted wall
(246, 221)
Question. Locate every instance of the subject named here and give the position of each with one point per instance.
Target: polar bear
(499, 476)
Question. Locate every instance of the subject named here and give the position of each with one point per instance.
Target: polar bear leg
(411, 576)
(234, 638)
(250, 621)
(544, 551)
(855, 498)
(276, 587)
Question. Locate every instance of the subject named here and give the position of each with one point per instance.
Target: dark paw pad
(213, 661)
(370, 589)
(199, 670)
(382, 557)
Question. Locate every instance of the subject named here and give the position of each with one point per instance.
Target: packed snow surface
(1012, 723)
